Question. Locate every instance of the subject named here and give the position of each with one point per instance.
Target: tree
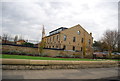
(118, 41)
(5, 37)
(100, 46)
(28, 44)
(97, 45)
(41, 46)
(15, 39)
(110, 38)
(21, 37)
(104, 46)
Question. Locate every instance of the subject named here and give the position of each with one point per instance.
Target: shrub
(15, 52)
(28, 44)
(44, 55)
(59, 56)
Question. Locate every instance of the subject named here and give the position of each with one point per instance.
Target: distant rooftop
(57, 30)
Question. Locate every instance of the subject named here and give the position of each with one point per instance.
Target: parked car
(105, 52)
(115, 53)
(98, 54)
(118, 53)
(101, 54)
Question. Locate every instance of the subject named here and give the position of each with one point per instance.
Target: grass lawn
(44, 58)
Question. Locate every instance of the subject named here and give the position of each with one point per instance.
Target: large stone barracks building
(75, 38)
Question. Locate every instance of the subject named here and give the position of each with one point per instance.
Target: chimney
(90, 34)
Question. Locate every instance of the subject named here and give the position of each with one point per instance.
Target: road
(90, 73)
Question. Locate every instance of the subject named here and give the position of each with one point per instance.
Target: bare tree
(15, 39)
(21, 37)
(111, 39)
(118, 41)
(5, 37)
(0, 37)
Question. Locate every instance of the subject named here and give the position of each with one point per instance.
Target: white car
(115, 53)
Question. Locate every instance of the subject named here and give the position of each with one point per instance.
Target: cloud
(27, 17)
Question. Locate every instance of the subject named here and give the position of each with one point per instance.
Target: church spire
(43, 32)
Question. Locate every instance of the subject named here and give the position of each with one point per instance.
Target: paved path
(91, 73)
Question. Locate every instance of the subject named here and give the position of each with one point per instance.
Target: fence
(19, 45)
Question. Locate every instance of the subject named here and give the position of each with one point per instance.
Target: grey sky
(27, 17)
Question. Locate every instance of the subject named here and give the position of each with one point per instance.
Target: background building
(75, 38)
(20, 42)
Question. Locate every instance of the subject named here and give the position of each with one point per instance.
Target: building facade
(75, 38)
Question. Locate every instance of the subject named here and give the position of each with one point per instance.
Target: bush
(44, 55)
(59, 56)
(71, 56)
(116, 57)
(65, 56)
(15, 52)
(28, 44)
(76, 55)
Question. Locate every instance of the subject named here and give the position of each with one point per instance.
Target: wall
(48, 52)
(61, 53)
(29, 50)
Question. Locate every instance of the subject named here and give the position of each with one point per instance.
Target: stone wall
(28, 50)
(61, 53)
(48, 52)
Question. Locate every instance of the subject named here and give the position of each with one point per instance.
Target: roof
(51, 35)
(64, 28)
(58, 29)
(21, 40)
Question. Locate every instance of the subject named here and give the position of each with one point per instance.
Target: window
(78, 32)
(50, 39)
(64, 47)
(53, 38)
(82, 40)
(89, 41)
(47, 39)
(65, 37)
(81, 49)
(73, 47)
(74, 39)
(57, 37)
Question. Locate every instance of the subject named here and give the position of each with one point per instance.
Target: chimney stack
(90, 34)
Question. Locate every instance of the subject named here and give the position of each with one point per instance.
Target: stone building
(75, 38)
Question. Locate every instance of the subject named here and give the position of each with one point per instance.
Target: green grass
(43, 58)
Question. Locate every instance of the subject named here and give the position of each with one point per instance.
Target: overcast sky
(27, 17)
